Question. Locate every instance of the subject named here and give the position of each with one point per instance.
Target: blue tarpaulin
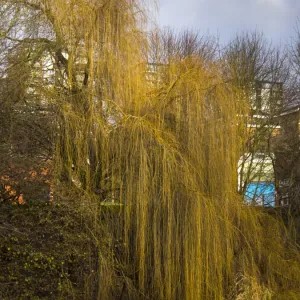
(260, 193)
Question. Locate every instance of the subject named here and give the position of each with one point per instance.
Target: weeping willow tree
(151, 154)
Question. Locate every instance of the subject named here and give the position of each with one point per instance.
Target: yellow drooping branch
(165, 153)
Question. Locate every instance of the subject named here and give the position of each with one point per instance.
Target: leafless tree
(167, 44)
(260, 71)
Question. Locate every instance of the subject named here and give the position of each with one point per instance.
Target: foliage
(43, 254)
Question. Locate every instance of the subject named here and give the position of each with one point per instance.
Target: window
(267, 97)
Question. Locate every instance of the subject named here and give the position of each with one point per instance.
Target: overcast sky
(276, 18)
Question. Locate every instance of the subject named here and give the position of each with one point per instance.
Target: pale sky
(276, 18)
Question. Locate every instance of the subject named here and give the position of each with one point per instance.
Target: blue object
(260, 193)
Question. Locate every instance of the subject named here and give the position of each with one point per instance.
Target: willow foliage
(163, 146)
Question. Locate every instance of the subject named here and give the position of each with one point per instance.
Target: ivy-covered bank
(46, 253)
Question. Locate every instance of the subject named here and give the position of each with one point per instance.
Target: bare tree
(260, 71)
(167, 44)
